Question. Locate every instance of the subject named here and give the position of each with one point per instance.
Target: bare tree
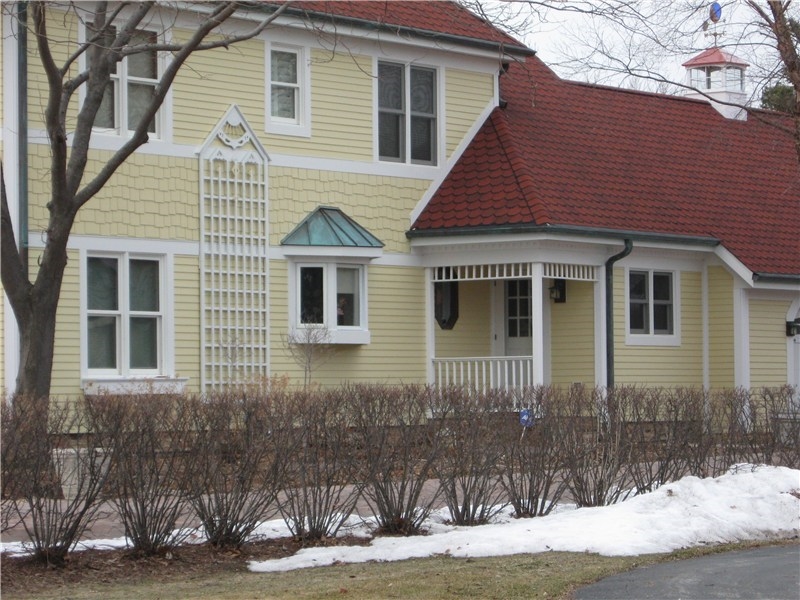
(310, 347)
(640, 43)
(111, 37)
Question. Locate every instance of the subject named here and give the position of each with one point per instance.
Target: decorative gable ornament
(233, 139)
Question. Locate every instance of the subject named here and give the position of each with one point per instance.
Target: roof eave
(566, 230)
(413, 31)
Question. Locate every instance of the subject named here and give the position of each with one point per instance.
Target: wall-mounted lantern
(558, 291)
(793, 327)
(445, 301)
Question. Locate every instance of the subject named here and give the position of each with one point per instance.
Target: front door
(518, 317)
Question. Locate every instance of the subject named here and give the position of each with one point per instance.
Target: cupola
(718, 75)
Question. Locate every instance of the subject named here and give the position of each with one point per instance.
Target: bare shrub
(775, 438)
(53, 472)
(664, 423)
(468, 468)
(322, 485)
(730, 419)
(786, 424)
(239, 449)
(596, 449)
(533, 461)
(400, 446)
(150, 467)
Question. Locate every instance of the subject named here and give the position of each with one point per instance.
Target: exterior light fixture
(558, 291)
(793, 327)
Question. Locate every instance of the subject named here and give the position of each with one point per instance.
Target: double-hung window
(131, 89)
(124, 315)
(331, 297)
(288, 81)
(651, 302)
(407, 119)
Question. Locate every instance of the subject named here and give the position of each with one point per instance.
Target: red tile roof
(566, 154)
(714, 56)
(417, 17)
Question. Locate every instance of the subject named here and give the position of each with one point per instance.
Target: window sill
(632, 339)
(97, 386)
(332, 336)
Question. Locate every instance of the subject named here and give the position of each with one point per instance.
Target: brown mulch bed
(20, 574)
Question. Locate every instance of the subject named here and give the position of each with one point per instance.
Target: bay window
(331, 296)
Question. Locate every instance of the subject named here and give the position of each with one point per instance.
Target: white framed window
(407, 113)
(330, 297)
(132, 86)
(124, 309)
(288, 107)
(652, 311)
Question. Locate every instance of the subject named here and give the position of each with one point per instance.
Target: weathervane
(714, 16)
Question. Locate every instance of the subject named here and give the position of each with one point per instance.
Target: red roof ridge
(517, 164)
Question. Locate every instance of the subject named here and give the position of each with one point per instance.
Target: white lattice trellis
(234, 263)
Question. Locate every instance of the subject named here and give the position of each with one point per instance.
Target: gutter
(610, 310)
(776, 278)
(22, 121)
(592, 232)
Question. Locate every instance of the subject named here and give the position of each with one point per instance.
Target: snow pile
(748, 503)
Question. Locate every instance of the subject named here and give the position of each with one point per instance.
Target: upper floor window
(131, 89)
(407, 113)
(288, 105)
(124, 315)
(651, 303)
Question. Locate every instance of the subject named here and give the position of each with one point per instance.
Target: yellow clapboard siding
(667, 366)
(467, 94)
(768, 342)
(207, 86)
(187, 320)
(471, 335)
(720, 327)
(66, 362)
(572, 335)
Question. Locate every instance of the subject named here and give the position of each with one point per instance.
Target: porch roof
(329, 226)
(588, 158)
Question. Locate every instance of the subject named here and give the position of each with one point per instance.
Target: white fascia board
(332, 252)
(122, 244)
(734, 265)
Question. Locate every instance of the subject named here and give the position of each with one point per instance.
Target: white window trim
(654, 339)
(439, 151)
(163, 117)
(277, 125)
(338, 334)
(160, 380)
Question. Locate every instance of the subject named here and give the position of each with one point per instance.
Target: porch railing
(484, 372)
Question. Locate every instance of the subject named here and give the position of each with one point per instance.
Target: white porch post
(430, 339)
(537, 323)
(600, 359)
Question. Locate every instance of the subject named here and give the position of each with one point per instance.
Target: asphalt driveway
(763, 573)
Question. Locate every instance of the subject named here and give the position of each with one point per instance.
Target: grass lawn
(547, 575)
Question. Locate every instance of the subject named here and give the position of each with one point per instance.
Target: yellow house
(398, 192)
